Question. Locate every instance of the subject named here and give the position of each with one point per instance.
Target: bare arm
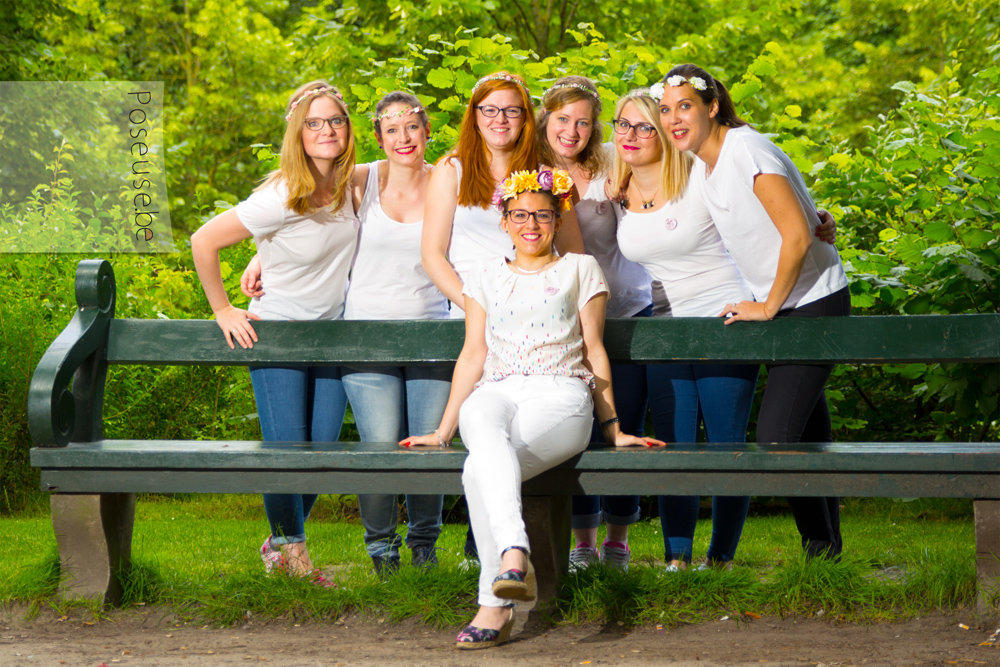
(569, 238)
(468, 371)
(359, 182)
(595, 358)
(779, 200)
(439, 215)
(221, 232)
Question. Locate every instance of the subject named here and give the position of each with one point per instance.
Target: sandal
(473, 638)
(515, 584)
(273, 559)
(317, 579)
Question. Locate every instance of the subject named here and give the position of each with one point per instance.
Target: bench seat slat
(255, 455)
(905, 484)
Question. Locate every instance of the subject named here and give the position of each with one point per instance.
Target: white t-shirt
(388, 281)
(747, 229)
(305, 259)
(693, 275)
(627, 281)
(533, 321)
(475, 236)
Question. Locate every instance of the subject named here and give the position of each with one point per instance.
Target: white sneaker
(672, 568)
(581, 557)
(616, 557)
(467, 564)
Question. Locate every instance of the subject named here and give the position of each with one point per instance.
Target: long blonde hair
(293, 169)
(567, 90)
(675, 167)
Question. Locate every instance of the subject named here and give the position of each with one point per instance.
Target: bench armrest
(55, 415)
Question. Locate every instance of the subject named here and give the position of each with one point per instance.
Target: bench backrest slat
(902, 339)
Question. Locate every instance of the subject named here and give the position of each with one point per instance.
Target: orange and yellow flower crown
(556, 181)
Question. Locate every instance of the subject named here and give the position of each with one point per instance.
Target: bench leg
(94, 536)
(987, 514)
(547, 520)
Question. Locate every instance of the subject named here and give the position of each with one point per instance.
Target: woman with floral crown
(531, 372)
(387, 283)
(496, 138)
(303, 220)
(570, 137)
(665, 227)
(766, 218)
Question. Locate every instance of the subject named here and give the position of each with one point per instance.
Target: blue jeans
(629, 384)
(682, 396)
(389, 404)
(300, 404)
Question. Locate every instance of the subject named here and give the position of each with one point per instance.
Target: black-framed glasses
(642, 130)
(491, 111)
(316, 124)
(545, 216)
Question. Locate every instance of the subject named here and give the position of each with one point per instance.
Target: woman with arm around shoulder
(303, 222)
(388, 283)
(666, 227)
(766, 217)
(531, 370)
(570, 138)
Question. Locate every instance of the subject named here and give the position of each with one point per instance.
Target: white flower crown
(696, 82)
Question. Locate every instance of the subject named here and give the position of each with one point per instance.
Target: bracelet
(441, 441)
(609, 422)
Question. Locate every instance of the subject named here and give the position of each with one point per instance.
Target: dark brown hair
(714, 91)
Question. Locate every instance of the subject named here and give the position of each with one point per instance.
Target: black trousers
(794, 410)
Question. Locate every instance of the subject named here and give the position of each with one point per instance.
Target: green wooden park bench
(94, 480)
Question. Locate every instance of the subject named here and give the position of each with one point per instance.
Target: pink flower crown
(557, 182)
(310, 93)
(396, 114)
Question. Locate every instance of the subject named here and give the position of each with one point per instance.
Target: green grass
(197, 555)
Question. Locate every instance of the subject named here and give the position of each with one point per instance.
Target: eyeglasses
(543, 216)
(316, 124)
(642, 130)
(491, 111)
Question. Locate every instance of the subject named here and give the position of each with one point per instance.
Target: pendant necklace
(646, 203)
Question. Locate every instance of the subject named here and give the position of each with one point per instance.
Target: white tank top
(475, 236)
(388, 281)
(693, 275)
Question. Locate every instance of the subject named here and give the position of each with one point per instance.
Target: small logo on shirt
(602, 208)
(551, 290)
(670, 224)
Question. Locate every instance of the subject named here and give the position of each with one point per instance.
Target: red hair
(476, 186)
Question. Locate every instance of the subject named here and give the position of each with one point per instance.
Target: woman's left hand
(429, 440)
(626, 440)
(746, 311)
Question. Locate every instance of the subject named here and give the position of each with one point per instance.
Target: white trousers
(515, 429)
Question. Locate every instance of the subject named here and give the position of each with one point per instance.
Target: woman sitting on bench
(531, 371)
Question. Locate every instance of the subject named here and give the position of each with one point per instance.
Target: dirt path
(150, 637)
